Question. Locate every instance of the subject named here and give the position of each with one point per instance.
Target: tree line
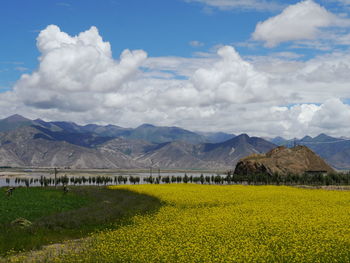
(228, 178)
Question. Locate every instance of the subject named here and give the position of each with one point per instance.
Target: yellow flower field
(207, 223)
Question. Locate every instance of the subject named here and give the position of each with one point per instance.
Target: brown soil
(283, 161)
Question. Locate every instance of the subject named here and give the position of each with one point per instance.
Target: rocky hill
(283, 160)
(336, 151)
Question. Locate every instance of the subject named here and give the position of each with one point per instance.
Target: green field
(56, 216)
(215, 223)
(33, 203)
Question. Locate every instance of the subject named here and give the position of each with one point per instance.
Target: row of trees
(65, 180)
(294, 179)
(229, 178)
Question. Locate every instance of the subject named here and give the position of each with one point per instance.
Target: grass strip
(57, 217)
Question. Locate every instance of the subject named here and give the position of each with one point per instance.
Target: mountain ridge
(35, 146)
(139, 146)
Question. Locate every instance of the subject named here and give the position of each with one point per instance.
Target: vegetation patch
(33, 203)
(33, 217)
(202, 223)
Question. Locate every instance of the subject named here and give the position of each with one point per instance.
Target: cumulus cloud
(313, 80)
(232, 80)
(79, 80)
(75, 66)
(302, 21)
(177, 66)
(208, 90)
(331, 117)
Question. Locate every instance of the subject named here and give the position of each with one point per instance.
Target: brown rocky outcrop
(282, 160)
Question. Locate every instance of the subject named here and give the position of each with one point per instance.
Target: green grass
(33, 203)
(57, 217)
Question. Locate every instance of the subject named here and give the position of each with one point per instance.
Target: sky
(266, 68)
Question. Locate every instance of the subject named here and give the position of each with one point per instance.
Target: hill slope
(223, 155)
(29, 146)
(283, 161)
(334, 150)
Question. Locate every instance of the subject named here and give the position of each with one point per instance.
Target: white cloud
(302, 21)
(259, 5)
(196, 43)
(332, 116)
(75, 66)
(341, 2)
(12, 62)
(177, 66)
(286, 55)
(79, 80)
(232, 80)
(325, 75)
(343, 39)
(21, 68)
(63, 4)
(222, 81)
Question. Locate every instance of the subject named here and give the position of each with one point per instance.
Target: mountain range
(70, 131)
(37, 143)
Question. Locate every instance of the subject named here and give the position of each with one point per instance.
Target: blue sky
(256, 66)
(161, 27)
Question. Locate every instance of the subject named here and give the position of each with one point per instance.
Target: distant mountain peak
(91, 125)
(243, 136)
(146, 125)
(306, 138)
(324, 137)
(66, 122)
(16, 118)
(112, 126)
(279, 138)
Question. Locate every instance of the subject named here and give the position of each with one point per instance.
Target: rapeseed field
(207, 223)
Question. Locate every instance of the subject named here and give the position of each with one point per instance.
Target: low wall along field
(201, 223)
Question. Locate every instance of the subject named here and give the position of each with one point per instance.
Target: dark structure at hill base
(283, 161)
